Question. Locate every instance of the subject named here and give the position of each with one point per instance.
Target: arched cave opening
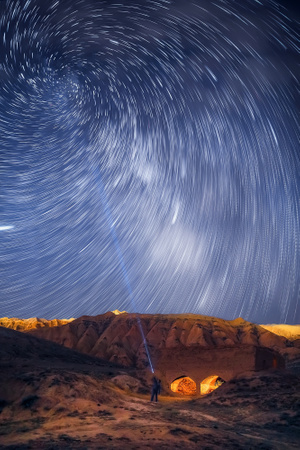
(184, 385)
(211, 383)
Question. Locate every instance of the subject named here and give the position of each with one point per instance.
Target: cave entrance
(210, 384)
(184, 385)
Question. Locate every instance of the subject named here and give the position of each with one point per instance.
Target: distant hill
(34, 322)
(31, 324)
(291, 332)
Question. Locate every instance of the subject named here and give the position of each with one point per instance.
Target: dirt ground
(130, 421)
(54, 398)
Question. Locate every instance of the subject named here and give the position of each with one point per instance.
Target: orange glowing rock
(184, 385)
(210, 384)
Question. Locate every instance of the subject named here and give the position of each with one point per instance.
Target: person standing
(155, 389)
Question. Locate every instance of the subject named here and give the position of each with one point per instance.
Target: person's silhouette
(155, 389)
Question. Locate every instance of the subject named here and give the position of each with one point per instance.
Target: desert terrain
(53, 397)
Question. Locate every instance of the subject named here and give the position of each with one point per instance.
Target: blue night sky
(149, 158)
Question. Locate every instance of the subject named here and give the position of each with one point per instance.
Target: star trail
(188, 112)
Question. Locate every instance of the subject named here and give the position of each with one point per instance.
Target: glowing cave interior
(184, 385)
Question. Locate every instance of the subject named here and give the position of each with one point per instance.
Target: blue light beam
(115, 239)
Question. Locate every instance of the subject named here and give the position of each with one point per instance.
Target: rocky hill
(179, 345)
(117, 338)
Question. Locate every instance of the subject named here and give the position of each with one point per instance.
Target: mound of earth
(17, 349)
(45, 376)
(266, 391)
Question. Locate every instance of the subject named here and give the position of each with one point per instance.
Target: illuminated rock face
(31, 324)
(210, 384)
(214, 363)
(184, 385)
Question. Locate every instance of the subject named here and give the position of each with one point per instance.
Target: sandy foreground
(257, 412)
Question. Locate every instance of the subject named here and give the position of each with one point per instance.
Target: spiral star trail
(184, 116)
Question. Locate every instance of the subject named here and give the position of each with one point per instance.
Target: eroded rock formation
(117, 337)
(179, 345)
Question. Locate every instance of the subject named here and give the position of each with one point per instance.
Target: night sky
(149, 158)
